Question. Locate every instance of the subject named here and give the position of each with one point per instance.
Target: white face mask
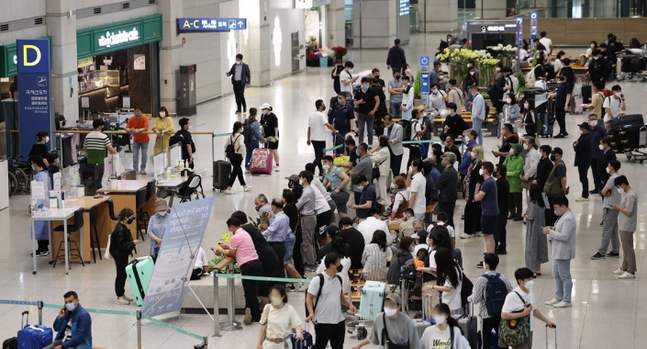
(512, 152)
(497, 69)
(326, 167)
(472, 73)
(434, 92)
(618, 94)
(481, 172)
(162, 213)
(593, 123)
(276, 301)
(410, 168)
(529, 285)
(508, 100)
(162, 114)
(608, 171)
(439, 319)
(621, 191)
(601, 147)
(70, 306)
(189, 127)
(390, 311)
(46, 139)
(300, 182)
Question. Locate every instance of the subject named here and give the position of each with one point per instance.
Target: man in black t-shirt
(188, 147)
(354, 239)
(366, 102)
(508, 139)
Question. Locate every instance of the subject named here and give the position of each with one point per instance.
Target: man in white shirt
(346, 79)
(521, 303)
(437, 99)
(478, 112)
(613, 105)
(372, 223)
(317, 124)
(418, 188)
(201, 265)
(548, 43)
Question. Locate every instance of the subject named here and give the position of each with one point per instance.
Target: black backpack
(231, 147)
(321, 284)
(495, 293)
(247, 132)
(427, 123)
(466, 290)
(176, 138)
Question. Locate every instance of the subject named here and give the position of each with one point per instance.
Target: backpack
(466, 291)
(247, 132)
(321, 284)
(231, 147)
(495, 293)
(176, 138)
(406, 129)
(606, 93)
(427, 123)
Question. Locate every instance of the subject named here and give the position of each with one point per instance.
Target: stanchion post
(230, 296)
(40, 312)
(216, 304)
(139, 329)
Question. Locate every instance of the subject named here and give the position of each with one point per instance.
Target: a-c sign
(33, 56)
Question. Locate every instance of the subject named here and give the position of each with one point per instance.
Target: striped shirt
(479, 293)
(374, 260)
(95, 145)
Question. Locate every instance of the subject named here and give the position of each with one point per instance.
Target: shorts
(273, 145)
(488, 224)
(290, 241)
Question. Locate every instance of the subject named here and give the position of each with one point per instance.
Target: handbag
(514, 332)
(107, 254)
(376, 170)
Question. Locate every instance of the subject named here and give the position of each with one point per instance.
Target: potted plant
(324, 54)
(313, 41)
(312, 58)
(340, 52)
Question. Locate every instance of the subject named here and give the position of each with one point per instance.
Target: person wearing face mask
(544, 167)
(455, 95)
(163, 128)
(337, 180)
(339, 246)
(613, 106)
(380, 156)
(479, 112)
(367, 103)
(508, 139)
(392, 328)
(277, 321)
(438, 100)
(346, 79)
(470, 79)
(563, 237)
(514, 163)
(364, 166)
(503, 87)
(270, 124)
(138, 127)
(394, 137)
(40, 148)
(468, 157)
(471, 181)
(81, 335)
(276, 234)
(316, 135)
(237, 141)
(342, 119)
(503, 202)
(562, 99)
(555, 183)
(530, 163)
(446, 186)
(323, 300)
(596, 67)
(375, 256)
(627, 223)
(240, 78)
(295, 186)
(395, 95)
(536, 252)
(401, 257)
(520, 304)
(121, 247)
(263, 207)
(367, 200)
(187, 144)
(406, 106)
(609, 215)
(607, 155)
(488, 197)
(597, 100)
(96, 145)
(306, 207)
(41, 228)
(582, 149)
(446, 333)
(528, 119)
(157, 226)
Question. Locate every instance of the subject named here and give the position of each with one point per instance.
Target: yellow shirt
(163, 125)
(596, 102)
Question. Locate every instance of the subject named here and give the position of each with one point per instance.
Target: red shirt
(139, 122)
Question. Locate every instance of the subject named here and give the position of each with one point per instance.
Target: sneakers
(276, 168)
(478, 235)
(290, 288)
(480, 265)
(613, 254)
(248, 317)
(122, 301)
(597, 256)
(466, 236)
(552, 302)
(580, 199)
(142, 172)
(40, 253)
(247, 188)
(229, 192)
(627, 275)
(127, 298)
(618, 272)
(562, 304)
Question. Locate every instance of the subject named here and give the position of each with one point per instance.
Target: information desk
(125, 196)
(104, 227)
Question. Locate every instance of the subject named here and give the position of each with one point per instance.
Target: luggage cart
(636, 155)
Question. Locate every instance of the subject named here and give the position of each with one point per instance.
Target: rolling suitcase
(637, 155)
(554, 341)
(338, 141)
(623, 122)
(546, 129)
(577, 107)
(221, 171)
(372, 300)
(261, 161)
(34, 336)
(306, 343)
(139, 273)
(469, 326)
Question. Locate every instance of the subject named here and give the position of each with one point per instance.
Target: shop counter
(125, 196)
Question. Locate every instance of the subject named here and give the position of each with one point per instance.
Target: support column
(377, 27)
(440, 16)
(169, 53)
(260, 42)
(335, 23)
(491, 9)
(61, 26)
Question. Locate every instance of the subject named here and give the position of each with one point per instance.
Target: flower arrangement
(326, 52)
(340, 51)
(508, 50)
(226, 238)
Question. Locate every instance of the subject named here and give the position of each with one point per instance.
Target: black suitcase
(469, 326)
(221, 171)
(624, 122)
(587, 93)
(337, 141)
(11, 343)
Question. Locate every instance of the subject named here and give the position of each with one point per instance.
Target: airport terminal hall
(323, 174)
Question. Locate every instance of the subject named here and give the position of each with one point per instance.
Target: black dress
(472, 208)
(531, 123)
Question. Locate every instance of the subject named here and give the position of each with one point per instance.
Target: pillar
(440, 16)
(335, 23)
(169, 53)
(491, 9)
(61, 26)
(260, 42)
(374, 23)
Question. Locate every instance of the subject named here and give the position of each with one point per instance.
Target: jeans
(583, 171)
(250, 287)
(319, 147)
(249, 148)
(448, 207)
(333, 333)
(290, 241)
(341, 200)
(365, 121)
(476, 126)
(628, 254)
(237, 171)
(137, 147)
(120, 281)
(239, 93)
(609, 231)
(406, 114)
(395, 110)
(563, 280)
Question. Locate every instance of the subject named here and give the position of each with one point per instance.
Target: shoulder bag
(514, 332)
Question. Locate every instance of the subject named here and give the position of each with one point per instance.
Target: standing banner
(34, 91)
(187, 224)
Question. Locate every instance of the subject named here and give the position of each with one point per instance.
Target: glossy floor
(606, 313)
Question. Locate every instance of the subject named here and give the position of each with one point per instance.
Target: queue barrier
(138, 314)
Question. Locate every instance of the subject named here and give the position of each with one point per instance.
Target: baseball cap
(557, 150)
(394, 297)
(161, 205)
(584, 125)
(265, 106)
(294, 178)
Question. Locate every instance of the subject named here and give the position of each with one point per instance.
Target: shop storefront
(118, 65)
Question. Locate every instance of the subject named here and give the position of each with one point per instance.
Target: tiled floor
(606, 313)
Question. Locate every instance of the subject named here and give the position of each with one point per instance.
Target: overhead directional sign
(189, 25)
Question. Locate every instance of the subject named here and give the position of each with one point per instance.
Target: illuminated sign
(188, 25)
(404, 7)
(121, 37)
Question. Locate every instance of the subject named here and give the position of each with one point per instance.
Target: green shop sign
(118, 36)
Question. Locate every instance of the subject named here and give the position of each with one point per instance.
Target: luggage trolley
(637, 155)
(632, 65)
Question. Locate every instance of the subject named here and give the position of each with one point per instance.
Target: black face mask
(376, 76)
(552, 158)
(339, 268)
(130, 220)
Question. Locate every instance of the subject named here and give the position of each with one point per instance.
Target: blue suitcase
(34, 336)
(372, 300)
(139, 273)
(306, 343)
